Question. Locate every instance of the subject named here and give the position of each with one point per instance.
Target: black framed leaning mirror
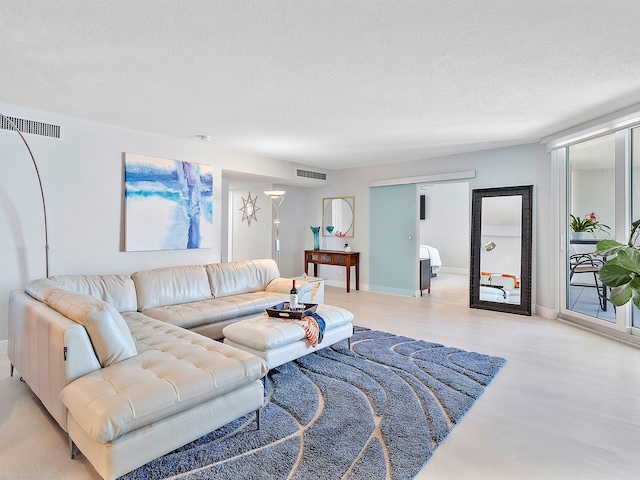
(501, 238)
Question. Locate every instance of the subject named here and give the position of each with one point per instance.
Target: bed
(433, 254)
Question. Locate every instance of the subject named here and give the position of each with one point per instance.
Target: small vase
(347, 248)
(577, 235)
(316, 237)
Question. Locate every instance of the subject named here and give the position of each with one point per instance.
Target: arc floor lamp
(9, 122)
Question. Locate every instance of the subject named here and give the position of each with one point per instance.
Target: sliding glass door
(635, 196)
(591, 205)
(599, 185)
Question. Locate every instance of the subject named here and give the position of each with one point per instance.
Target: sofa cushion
(195, 314)
(42, 288)
(107, 330)
(233, 278)
(171, 286)
(175, 370)
(117, 290)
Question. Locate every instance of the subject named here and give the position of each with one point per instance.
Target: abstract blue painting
(168, 203)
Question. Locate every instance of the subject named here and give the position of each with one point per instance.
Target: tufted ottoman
(278, 342)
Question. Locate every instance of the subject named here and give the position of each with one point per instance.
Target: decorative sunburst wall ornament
(249, 209)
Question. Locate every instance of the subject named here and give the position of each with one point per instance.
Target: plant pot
(578, 235)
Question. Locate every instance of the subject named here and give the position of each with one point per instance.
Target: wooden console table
(334, 257)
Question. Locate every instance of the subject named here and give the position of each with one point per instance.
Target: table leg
(357, 276)
(315, 269)
(348, 278)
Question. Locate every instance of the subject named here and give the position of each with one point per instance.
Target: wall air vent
(310, 174)
(31, 126)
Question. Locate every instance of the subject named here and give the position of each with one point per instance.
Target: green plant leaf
(606, 248)
(629, 258)
(621, 295)
(613, 275)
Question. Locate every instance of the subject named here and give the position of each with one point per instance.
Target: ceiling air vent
(310, 174)
(31, 126)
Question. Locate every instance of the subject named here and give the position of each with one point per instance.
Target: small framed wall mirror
(338, 215)
(501, 238)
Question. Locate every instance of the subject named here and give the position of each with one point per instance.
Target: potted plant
(622, 272)
(342, 235)
(590, 223)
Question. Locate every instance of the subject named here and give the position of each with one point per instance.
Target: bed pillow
(107, 330)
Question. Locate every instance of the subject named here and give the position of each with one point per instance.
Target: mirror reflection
(338, 216)
(501, 237)
(501, 249)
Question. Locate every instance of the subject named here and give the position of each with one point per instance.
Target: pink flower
(593, 217)
(341, 234)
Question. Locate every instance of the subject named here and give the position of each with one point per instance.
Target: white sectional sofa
(120, 363)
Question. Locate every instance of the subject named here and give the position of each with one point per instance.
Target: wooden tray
(279, 310)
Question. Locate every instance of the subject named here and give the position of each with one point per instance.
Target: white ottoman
(278, 342)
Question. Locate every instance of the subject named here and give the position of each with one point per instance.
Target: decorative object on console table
(316, 237)
(342, 236)
(329, 229)
(276, 197)
(334, 257)
(8, 123)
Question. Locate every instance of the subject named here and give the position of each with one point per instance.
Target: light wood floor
(565, 406)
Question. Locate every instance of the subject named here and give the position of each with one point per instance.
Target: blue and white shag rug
(376, 411)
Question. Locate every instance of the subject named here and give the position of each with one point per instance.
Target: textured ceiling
(330, 84)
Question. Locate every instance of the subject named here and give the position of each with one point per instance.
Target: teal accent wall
(393, 258)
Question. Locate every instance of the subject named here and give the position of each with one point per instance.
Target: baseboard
(342, 284)
(457, 271)
(545, 312)
(620, 336)
(4, 344)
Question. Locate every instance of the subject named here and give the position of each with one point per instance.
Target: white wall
(254, 240)
(258, 241)
(295, 234)
(82, 176)
(446, 223)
